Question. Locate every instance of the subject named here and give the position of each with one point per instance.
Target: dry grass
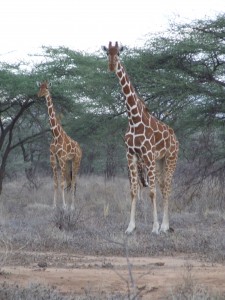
(189, 289)
(96, 227)
(28, 221)
(34, 291)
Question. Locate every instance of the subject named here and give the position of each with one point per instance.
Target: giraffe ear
(49, 84)
(38, 83)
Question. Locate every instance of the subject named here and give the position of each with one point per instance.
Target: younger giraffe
(63, 150)
(148, 140)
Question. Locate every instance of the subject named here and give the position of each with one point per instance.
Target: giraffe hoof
(165, 228)
(130, 229)
(128, 232)
(171, 229)
(168, 230)
(155, 228)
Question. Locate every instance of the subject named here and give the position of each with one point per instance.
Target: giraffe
(63, 150)
(148, 141)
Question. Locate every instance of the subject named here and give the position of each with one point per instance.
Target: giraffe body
(149, 142)
(64, 151)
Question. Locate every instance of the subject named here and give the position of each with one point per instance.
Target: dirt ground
(157, 277)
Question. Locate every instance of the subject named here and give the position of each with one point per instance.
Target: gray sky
(26, 25)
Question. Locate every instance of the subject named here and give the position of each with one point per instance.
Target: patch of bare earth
(155, 278)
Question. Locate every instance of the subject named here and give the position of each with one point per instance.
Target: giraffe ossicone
(64, 151)
(149, 142)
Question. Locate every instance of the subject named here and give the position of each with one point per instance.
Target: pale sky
(26, 25)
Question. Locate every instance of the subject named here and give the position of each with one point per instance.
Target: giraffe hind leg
(63, 176)
(68, 176)
(161, 179)
(150, 165)
(155, 228)
(165, 181)
(75, 169)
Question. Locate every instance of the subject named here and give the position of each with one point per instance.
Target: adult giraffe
(148, 141)
(63, 150)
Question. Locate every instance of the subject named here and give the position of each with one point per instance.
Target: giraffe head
(113, 53)
(43, 88)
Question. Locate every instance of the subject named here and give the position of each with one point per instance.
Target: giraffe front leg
(132, 165)
(131, 225)
(53, 162)
(165, 222)
(63, 174)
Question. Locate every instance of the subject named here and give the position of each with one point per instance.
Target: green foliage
(180, 75)
(185, 78)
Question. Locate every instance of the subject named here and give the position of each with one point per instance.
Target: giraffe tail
(68, 175)
(143, 175)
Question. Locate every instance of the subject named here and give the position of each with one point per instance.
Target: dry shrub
(5, 248)
(189, 289)
(68, 220)
(33, 291)
(32, 223)
(199, 195)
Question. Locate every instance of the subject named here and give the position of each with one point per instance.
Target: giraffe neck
(134, 105)
(54, 124)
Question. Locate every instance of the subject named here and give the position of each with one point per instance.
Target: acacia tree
(186, 82)
(16, 97)
(95, 109)
(180, 75)
(190, 65)
(81, 97)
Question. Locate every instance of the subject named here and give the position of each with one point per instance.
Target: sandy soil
(155, 277)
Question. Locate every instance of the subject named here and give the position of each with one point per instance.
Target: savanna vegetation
(180, 76)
